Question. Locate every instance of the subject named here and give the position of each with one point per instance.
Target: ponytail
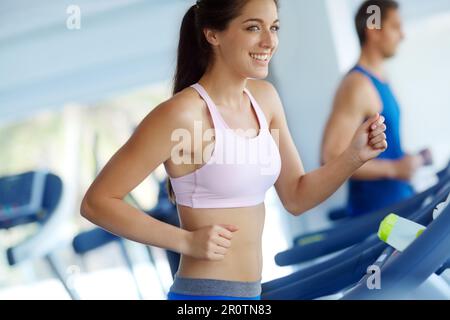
(193, 55)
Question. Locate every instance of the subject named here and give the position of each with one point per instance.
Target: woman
(223, 44)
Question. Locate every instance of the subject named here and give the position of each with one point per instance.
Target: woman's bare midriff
(243, 261)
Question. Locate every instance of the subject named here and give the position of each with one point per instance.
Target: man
(364, 91)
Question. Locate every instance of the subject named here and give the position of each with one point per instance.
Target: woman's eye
(256, 28)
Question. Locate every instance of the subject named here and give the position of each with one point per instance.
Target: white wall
(306, 71)
(421, 77)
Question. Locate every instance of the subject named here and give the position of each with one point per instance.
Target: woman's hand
(211, 242)
(369, 140)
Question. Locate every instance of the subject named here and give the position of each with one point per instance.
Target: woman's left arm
(300, 191)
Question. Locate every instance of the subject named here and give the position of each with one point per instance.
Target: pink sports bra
(240, 170)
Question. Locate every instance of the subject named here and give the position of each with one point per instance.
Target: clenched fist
(369, 140)
(211, 242)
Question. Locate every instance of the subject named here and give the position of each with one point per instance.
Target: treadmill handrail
(351, 232)
(404, 272)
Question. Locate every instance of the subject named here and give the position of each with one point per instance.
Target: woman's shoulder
(266, 95)
(261, 86)
(183, 107)
(263, 90)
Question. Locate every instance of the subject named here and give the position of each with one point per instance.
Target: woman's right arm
(148, 147)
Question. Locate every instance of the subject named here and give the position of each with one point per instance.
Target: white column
(316, 45)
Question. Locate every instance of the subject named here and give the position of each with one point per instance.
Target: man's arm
(355, 100)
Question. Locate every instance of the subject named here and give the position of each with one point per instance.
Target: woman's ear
(211, 36)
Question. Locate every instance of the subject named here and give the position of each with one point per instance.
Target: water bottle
(399, 232)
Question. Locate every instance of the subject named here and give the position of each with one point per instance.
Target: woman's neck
(225, 87)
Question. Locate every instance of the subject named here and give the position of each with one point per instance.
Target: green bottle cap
(386, 227)
(419, 232)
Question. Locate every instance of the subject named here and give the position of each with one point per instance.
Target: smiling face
(249, 42)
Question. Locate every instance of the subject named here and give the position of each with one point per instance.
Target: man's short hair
(363, 15)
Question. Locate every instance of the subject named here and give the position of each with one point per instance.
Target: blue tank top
(369, 196)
